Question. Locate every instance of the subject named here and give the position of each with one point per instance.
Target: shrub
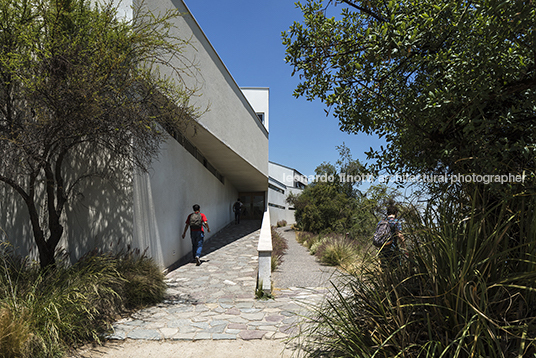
(281, 223)
(43, 313)
(15, 332)
(336, 250)
(302, 236)
(466, 291)
(313, 240)
(279, 247)
(144, 281)
(315, 245)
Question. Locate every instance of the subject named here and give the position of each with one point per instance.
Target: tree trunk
(46, 253)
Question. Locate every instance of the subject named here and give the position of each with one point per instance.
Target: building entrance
(253, 205)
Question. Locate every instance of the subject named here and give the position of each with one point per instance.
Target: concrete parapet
(264, 249)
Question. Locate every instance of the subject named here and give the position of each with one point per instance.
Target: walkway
(215, 301)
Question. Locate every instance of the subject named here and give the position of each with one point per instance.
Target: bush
(279, 247)
(281, 223)
(15, 332)
(144, 281)
(337, 250)
(467, 290)
(307, 239)
(315, 245)
(44, 312)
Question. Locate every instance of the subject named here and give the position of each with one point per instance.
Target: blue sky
(247, 36)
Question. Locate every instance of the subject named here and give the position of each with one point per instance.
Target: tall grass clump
(466, 290)
(334, 249)
(310, 240)
(279, 247)
(303, 237)
(43, 313)
(337, 250)
(143, 281)
(15, 332)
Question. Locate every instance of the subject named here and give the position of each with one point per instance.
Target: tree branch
(365, 10)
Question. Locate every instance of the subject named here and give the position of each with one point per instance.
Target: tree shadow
(97, 215)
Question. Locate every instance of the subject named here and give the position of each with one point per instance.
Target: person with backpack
(387, 237)
(237, 208)
(195, 222)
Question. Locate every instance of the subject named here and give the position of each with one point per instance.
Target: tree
(334, 203)
(451, 85)
(78, 84)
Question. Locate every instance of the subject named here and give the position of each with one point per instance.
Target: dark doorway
(253, 205)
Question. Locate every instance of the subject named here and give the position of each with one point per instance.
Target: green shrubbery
(279, 246)
(335, 249)
(466, 291)
(45, 312)
(322, 209)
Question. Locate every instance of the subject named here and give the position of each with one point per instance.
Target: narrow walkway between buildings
(216, 299)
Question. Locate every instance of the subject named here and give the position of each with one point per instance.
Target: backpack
(238, 207)
(383, 233)
(196, 221)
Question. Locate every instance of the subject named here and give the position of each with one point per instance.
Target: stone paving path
(216, 300)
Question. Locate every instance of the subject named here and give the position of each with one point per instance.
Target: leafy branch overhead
(451, 85)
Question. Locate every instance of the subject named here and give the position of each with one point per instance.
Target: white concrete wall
(281, 174)
(227, 107)
(97, 215)
(259, 98)
(278, 214)
(264, 248)
(164, 198)
(149, 210)
(283, 178)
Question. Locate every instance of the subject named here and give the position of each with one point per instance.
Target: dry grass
(44, 313)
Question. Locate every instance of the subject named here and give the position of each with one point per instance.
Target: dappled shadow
(97, 215)
(180, 298)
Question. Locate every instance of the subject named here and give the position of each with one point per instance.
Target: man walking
(237, 208)
(390, 250)
(195, 222)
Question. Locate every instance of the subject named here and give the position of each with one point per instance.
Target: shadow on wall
(97, 214)
(14, 223)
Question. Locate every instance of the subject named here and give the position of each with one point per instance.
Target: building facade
(282, 182)
(207, 164)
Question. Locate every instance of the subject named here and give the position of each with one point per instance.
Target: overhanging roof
(235, 169)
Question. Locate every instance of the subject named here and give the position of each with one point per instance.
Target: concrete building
(259, 98)
(226, 158)
(282, 182)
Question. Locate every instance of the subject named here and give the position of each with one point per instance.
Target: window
(273, 187)
(299, 185)
(261, 117)
(276, 206)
